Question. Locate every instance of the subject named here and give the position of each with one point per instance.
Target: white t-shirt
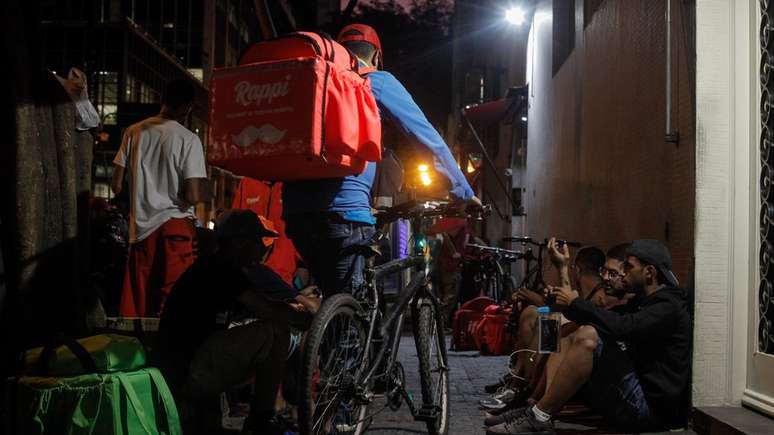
(159, 154)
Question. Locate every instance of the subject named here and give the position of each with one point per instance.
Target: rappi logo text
(247, 93)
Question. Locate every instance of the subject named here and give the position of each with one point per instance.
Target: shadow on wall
(45, 217)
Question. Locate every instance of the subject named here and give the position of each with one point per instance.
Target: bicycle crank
(395, 391)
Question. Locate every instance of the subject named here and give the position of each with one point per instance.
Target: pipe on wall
(670, 135)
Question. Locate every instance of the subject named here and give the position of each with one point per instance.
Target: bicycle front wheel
(334, 352)
(433, 369)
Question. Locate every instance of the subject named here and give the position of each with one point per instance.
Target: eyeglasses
(610, 273)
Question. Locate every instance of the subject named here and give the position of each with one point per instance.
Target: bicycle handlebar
(526, 240)
(413, 210)
(500, 251)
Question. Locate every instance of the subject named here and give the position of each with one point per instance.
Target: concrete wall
(598, 168)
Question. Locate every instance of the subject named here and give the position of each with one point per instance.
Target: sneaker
(265, 426)
(522, 422)
(495, 417)
(498, 400)
(503, 381)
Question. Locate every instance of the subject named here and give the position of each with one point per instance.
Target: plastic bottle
(549, 330)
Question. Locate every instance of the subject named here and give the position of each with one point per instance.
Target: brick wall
(598, 168)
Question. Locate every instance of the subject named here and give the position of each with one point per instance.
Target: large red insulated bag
(491, 333)
(465, 321)
(295, 109)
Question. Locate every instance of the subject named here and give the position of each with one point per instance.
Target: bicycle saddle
(367, 250)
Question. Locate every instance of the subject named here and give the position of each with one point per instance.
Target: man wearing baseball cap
(325, 217)
(632, 362)
(201, 356)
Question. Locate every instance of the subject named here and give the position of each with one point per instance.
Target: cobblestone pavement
(469, 373)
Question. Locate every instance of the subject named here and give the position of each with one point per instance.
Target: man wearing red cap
(324, 217)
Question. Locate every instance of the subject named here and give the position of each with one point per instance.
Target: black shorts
(614, 389)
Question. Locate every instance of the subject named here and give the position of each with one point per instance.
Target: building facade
(652, 119)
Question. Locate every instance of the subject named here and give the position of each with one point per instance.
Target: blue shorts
(614, 389)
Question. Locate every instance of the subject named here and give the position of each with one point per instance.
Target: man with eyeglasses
(613, 291)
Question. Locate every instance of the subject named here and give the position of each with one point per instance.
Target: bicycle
(352, 346)
(492, 278)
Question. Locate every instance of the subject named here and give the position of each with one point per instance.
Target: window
(102, 190)
(563, 32)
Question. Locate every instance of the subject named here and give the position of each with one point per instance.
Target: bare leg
(573, 372)
(555, 360)
(527, 339)
(540, 388)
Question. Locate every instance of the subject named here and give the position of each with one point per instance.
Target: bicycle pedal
(427, 413)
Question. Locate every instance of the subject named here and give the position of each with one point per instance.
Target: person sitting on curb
(633, 361)
(200, 356)
(582, 274)
(611, 293)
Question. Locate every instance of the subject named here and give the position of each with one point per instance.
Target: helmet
(361, 32)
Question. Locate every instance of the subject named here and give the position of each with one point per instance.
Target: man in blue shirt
(324, 217)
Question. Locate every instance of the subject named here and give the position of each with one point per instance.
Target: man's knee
(528, 317)
(586, 337)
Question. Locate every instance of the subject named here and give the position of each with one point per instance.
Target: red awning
(485, 114)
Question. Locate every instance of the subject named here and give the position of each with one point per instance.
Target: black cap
(242, 223)
(654, 252)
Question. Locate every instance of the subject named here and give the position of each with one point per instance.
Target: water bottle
(549, 330)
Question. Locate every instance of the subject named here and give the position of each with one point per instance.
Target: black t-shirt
(196, 305)
(270, 284)
(209, 287)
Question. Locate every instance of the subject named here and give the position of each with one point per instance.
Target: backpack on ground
(465, 320)
(96, 385)
(492, 335)
(294, 109)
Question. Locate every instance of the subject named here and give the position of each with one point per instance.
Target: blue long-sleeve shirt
(351, 196)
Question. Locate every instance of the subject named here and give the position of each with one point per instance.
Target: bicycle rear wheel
(433, 369)
(333, 355)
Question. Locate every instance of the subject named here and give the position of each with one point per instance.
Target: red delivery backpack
(294, 109)
(492, 336)
(464, 323)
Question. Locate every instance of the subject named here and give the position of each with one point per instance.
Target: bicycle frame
(392, 322)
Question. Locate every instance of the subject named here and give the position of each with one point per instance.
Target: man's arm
(561, 261)
(117, 183)
(651, 320)
(119, 163)
(398, 104)
(196, 190)
(196, 186)
(278, 311)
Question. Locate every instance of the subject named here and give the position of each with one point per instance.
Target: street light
(424, 176)
(516, 16)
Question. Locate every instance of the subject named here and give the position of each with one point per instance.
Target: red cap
(360, 32)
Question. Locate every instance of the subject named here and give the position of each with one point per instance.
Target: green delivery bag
(128, 402)
(109, 352)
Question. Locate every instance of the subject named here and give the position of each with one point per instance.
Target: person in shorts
(633, 361)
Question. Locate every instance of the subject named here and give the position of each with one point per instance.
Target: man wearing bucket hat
(325, 217)
(632, 362)
(201, 355)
